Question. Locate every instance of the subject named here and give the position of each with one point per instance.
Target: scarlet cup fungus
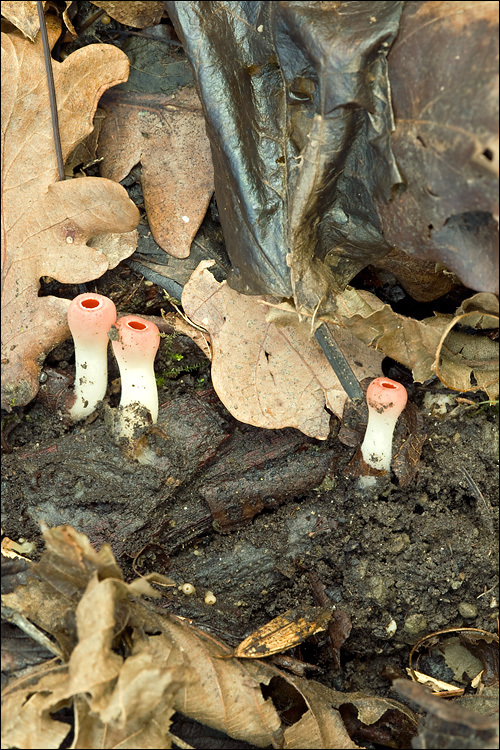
(90, 317)
(386, 400)
(135, 350)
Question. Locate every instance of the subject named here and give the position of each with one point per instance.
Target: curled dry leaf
(48, 226)
(23, 15)
(461, 358)
(268, 375)
(125, 685)
(429, 347)
(166, 134)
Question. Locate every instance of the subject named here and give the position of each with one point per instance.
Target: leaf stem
(338, 362)
(52, 92)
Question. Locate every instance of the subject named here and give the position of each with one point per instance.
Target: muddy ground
(262, 518)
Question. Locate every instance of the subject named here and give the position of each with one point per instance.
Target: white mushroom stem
(135, 350)
(90, 317)
(386, 400)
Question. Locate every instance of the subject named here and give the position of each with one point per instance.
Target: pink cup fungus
(386, 400)
(90, 317)
(135, 348)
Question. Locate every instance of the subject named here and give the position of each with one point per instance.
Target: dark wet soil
(258, 516)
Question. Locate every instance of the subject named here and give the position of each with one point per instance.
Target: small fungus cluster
(92, 322)
(91, 318)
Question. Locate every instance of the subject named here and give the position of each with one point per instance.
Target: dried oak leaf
(446, 55)
(470, 363)
(49, 227)
(266, 374)
(429, 347)
(134, 13)
(166, 134)
(23, 15)
(79, 596)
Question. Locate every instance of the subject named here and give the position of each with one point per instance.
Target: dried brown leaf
(268, 375)
(284, 632)
(226, 694)
(48, 226)
(321, 725)
(137, 13)
(460, 358)
(26, 720)
(405, 462)
(125, 684)
(121, 694)
(23, 15)
(418, 344)
(90, 732)
(166, 134)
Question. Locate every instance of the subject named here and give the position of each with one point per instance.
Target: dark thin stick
(91, 19)
(340, 365)
(126, 32)
(52, 91)
(484, 508)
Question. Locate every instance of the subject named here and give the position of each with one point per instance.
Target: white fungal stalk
(90, 317)
(386, 400)
(135, 350)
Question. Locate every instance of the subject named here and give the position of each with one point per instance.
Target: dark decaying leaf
(298, 113)
(19, 650)
(405, 462)
(443, 69)
(299, 116)
(449, 725)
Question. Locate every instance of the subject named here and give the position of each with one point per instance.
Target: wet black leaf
(443, 69)
(297, 106)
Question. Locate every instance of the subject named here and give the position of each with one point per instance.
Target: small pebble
(398, 543)
(468, 611)
(415, 625)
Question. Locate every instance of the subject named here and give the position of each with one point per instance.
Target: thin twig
(339, 363)
(52, 91)
(485, 510)
(30, 629)
(91, 19)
